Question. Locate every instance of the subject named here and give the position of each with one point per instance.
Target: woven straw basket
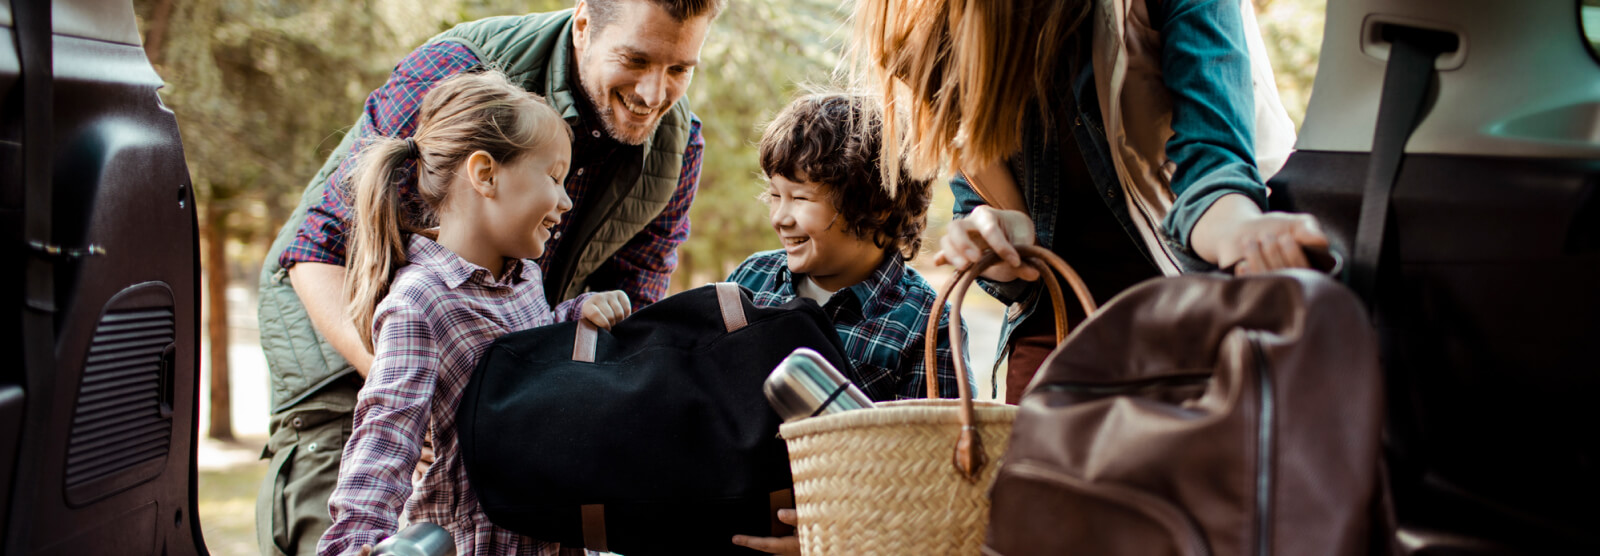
(884, 481)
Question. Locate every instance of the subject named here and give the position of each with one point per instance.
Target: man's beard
(601, 101)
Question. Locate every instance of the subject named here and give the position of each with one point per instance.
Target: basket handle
(969, 458)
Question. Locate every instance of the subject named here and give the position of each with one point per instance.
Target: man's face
(636, 66)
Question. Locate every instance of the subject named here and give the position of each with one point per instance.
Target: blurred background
(264, 89)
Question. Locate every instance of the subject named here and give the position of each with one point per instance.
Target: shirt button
(595, 133)
(312, 447)
(298, 423)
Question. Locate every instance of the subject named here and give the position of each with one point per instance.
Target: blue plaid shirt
(881, 320)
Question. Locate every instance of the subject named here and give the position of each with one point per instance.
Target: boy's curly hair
(834, 140)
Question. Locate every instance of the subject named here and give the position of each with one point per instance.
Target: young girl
(491, 160)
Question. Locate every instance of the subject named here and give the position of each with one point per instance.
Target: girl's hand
(774, 545)
(606, 309)
(966, 240)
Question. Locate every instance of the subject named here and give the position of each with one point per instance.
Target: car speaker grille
(119, 425)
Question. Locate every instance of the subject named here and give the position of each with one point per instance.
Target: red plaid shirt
(640, 268)
(441, 314)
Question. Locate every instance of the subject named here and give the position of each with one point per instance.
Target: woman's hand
(789, 545)
(966, 240)
(1234, 232)
(606, 309)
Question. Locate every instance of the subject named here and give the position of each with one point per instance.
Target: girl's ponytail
(375, 247)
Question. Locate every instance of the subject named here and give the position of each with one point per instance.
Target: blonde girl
(491, 160)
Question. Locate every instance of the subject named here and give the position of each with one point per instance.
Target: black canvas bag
(652, 438)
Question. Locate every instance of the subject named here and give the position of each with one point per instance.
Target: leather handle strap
(730, 303)
(594, 527)
(969, 458)
(1400, 108)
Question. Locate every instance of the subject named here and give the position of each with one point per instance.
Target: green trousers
(306, 444)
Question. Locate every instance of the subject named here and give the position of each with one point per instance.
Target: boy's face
(814, 237)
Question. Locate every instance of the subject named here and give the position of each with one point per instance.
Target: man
(617, 71)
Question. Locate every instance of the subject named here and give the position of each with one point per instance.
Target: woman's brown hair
(462, 115)
(958, 75)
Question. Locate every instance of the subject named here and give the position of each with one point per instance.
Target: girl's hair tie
(411, 149)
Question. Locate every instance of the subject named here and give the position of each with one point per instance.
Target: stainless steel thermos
(805, 385)
(419, 539)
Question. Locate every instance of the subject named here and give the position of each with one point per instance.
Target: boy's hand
(966, 240)
(789, 545)
(606, 309)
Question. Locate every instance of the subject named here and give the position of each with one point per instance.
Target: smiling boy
(846, 242)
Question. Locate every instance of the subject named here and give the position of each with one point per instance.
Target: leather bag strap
(1400, 108)
(969, 458)
(729, 302)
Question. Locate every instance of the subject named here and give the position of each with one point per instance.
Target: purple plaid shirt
(439, 317)
(641, 268)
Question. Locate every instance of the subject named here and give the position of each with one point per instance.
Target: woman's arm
(1218, 214)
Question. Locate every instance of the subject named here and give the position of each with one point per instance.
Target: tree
(262, 91)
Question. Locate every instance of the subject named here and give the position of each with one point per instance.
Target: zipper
(1126, 387)
(1264, 424)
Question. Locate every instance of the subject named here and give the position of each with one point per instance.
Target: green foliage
(757, 54)
(1292, 32)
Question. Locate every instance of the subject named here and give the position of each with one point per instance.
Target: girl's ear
(481, 168)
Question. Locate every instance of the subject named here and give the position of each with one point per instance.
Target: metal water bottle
(418, 539)
(805, 385)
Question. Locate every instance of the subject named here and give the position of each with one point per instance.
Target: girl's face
(529, 200)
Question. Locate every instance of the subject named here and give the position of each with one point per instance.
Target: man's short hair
(833, 139)
(603, 12)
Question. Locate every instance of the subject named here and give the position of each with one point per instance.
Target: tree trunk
(156, 31)
(214, 234)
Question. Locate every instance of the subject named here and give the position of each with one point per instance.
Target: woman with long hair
(1121, 134)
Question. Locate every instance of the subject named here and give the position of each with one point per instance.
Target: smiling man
(617, 70)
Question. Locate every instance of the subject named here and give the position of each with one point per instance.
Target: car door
(1485, 290)
(98, 406)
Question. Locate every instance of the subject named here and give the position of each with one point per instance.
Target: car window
(1589, 16)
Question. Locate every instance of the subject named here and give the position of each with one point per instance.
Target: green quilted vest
(533, 51)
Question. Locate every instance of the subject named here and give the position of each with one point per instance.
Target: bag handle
(729, 301)
(969, 457)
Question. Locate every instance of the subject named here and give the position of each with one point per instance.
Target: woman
(1120, 134)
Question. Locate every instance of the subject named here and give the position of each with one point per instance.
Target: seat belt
(32, 25)
(1406, 78)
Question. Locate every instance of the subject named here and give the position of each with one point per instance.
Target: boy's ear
(481, 169)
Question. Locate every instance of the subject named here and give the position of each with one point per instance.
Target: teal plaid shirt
(882, 322)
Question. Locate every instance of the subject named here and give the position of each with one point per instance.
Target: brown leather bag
(1202, 415)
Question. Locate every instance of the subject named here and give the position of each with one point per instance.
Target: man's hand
(320, 287)
(606, 309)
(966, 240)
(789, 545)
(1234, 232)
(424, 459)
